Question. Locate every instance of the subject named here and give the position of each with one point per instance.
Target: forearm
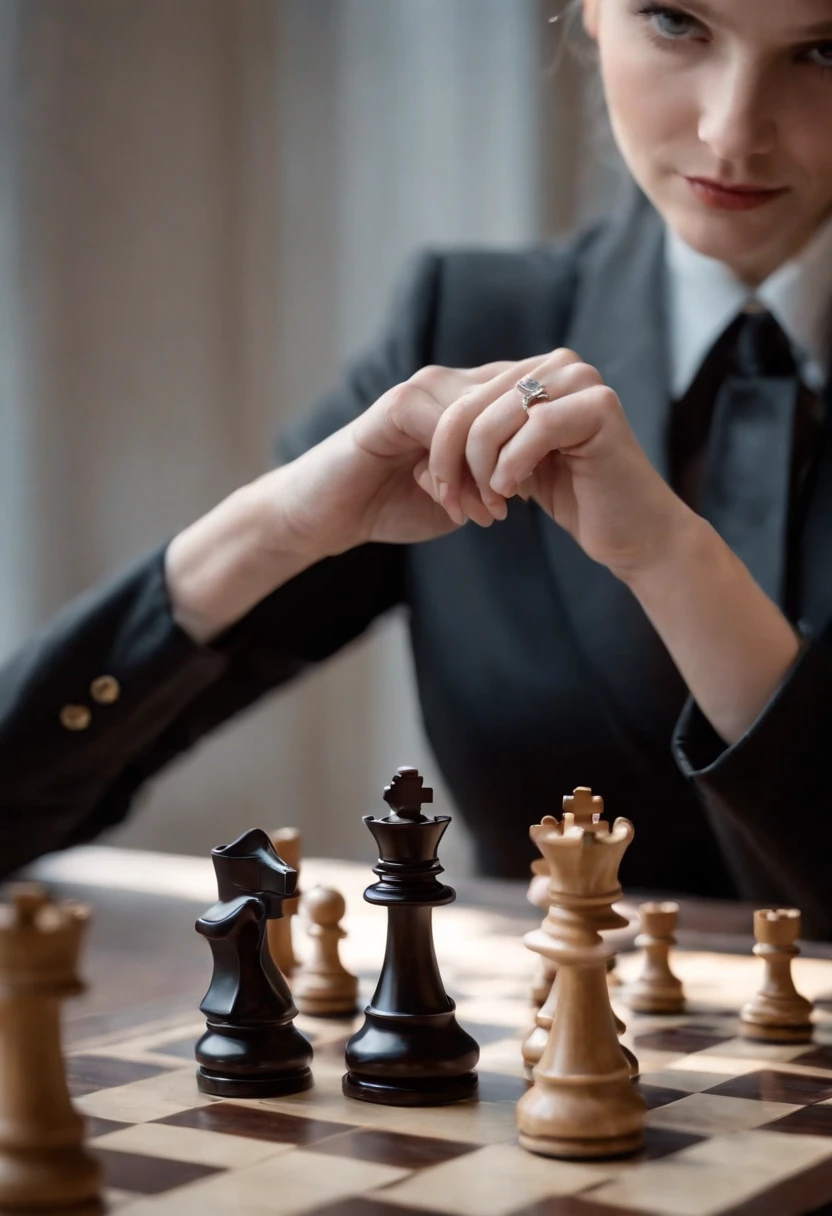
(229, 560)
(730, 642)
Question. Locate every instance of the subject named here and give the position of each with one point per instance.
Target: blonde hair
(573, 40)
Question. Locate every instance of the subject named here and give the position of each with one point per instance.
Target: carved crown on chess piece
(582, 1103)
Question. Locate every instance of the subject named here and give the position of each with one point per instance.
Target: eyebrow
(820, 29)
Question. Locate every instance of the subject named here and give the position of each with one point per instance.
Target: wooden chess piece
(535, 1042)
(777, 1013)
(656, 989)
(582, 1103)
(410, 1050)
(546, 970)
(287, 845)
(43, 1163)
(322, 985)
(251, 1048)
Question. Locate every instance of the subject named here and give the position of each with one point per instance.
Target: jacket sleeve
(769, 792)
(72, 760)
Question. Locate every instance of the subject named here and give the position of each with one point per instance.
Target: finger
(447, 455)
(471, 502)
(569, 425)
(413, 407)
(499, 422)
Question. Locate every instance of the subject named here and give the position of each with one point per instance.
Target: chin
(737, 238)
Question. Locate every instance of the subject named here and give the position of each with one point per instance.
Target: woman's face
(735, 91)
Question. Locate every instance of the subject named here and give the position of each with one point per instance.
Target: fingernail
(504, 487)
(455, 512)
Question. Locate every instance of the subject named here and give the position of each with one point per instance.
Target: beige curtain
(204, 204)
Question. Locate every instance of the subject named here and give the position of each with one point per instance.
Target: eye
(824, 52)
(669, 23)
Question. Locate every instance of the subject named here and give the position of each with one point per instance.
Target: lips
(731, 198)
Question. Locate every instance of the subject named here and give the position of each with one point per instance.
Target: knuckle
(429, 377)
(604, 399)
(564, 356)
(575, 377)
(398, 398)
(479, 430)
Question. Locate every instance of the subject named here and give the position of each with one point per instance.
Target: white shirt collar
(704, 296)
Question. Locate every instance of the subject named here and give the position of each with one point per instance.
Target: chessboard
(733, 1126)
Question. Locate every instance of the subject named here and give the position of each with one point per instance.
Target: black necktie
(748, 474)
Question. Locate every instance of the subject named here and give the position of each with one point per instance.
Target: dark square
(501, 1087)
(571, 1205)
(811, 1121)
(681, 1038)
(770, 1086)
(658, 1095)
(393, 1148)
(358, 1206)
(485, 1032)
(664, 1141)
(86, 1074)
(255, 1122)
(816, 1057)
(102, 1127)
(183, 1049)
(147, 1175)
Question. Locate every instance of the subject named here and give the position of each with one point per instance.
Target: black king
(410, 1050)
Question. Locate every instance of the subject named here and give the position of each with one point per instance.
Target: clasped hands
(451, 445)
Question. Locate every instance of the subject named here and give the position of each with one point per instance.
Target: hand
(363, 483)
(575, 454)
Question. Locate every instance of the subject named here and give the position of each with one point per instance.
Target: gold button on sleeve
(75, 717)
(105, 690)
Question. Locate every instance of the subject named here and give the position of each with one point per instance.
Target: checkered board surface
(733, 1127)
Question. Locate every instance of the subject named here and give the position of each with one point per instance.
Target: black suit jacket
(537, 670)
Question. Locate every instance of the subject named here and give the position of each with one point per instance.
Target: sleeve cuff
(121, 637)
(791, 724)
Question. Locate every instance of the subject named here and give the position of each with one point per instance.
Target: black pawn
(410, 1050)
(250, 1048)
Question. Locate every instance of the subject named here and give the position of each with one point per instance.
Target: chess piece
(322, 985)
(250, 1049)
(410, 1050)
(535, 1041)
(43, 1163)
(656, 990)
(287, 845)
(538, 894)
(582, 1103)
(777, 1013)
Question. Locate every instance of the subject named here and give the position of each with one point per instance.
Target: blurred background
(203, 207)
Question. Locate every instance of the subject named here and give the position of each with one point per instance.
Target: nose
(736, 119)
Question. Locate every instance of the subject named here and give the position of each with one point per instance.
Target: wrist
(225, 563)
(681, 541)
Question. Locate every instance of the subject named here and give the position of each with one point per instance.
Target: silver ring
(530, 390)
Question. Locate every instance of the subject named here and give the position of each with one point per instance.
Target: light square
(289, 1184)
(493, 1181)
(197, 1145)
(141, 1101)
(712, 1114)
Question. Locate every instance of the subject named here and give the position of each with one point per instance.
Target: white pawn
(777, 1013)
(657, 989)
(322, 985)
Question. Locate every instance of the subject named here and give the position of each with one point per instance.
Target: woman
(588, 625)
